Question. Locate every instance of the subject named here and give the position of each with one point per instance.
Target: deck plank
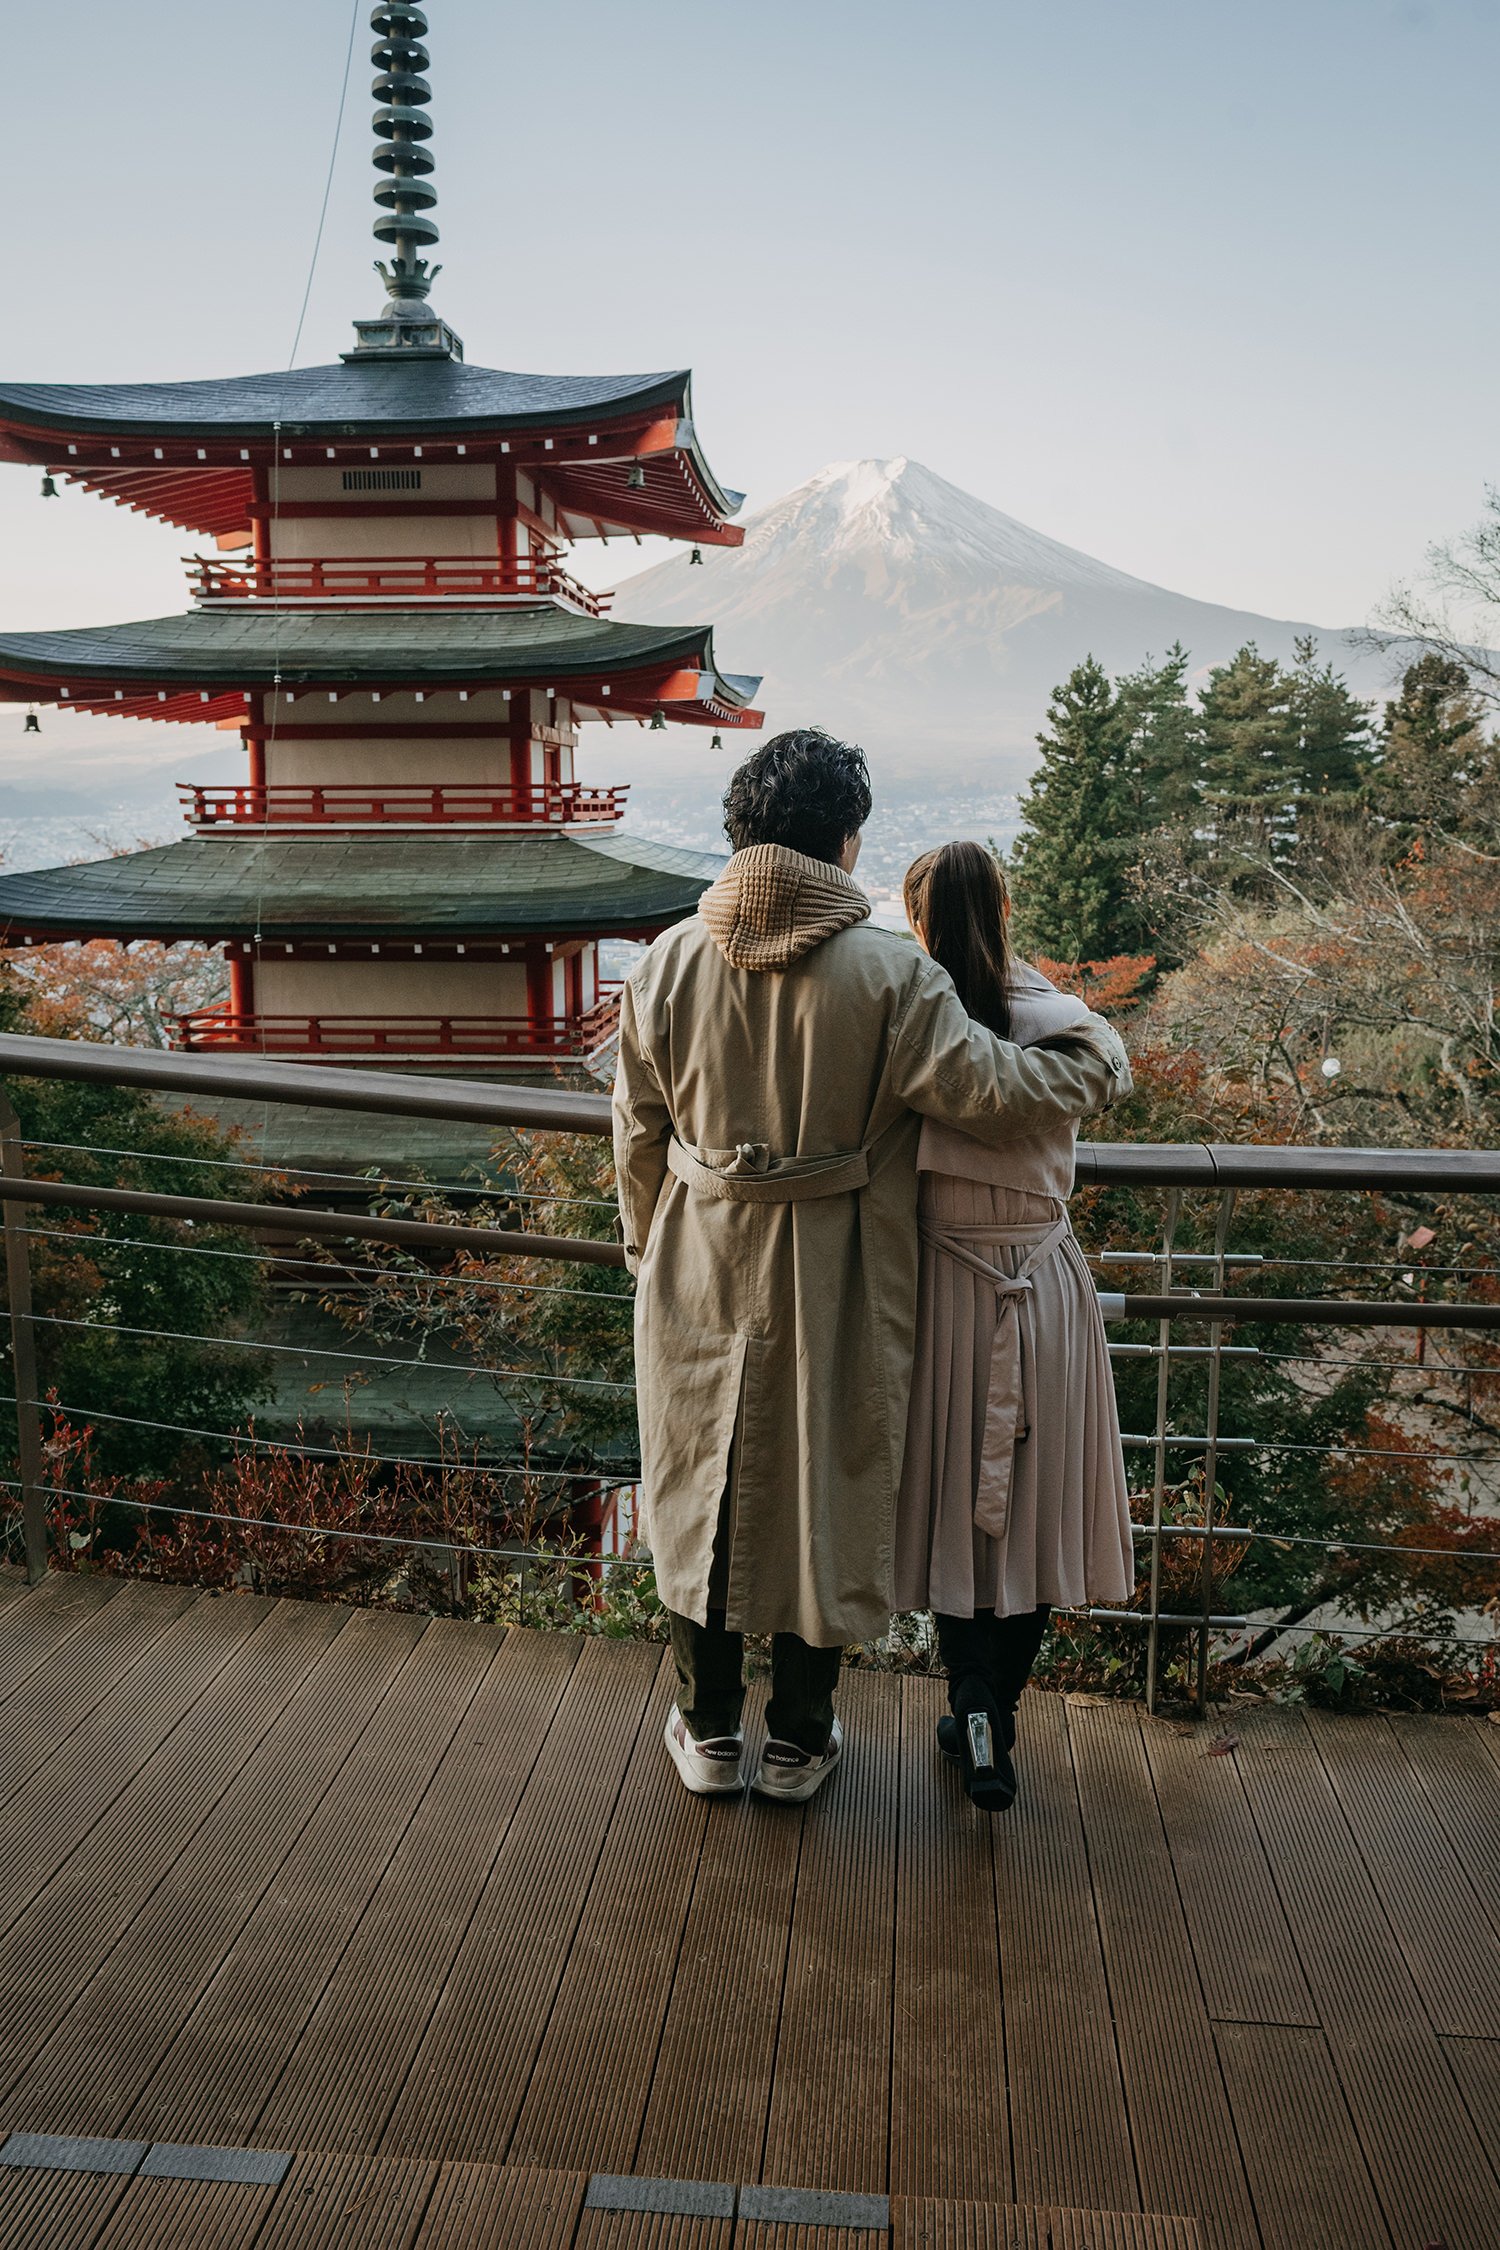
(468, 2082)
(1307, 2171)
(38, 1619)
(922, 2225)
(1462, 1790)
(47, 1819)
(592, 2080)
(214, 2079)
(179, 1890)
(55, 2210)
(1475, 2064)
(950, 2121)
(710, 2089)
(382, 1993)
(1390, 2063)
(651, 2230)
(776, 2234)
(1451, 1946)
(105, 1646)
(186, 2215)
(1070, 2129)
(830, 2097)
(331, 2202)
(1242, 1941)
(510, 2207)
(1153, 1977)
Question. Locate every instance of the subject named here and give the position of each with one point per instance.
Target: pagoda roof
(363, 888)
(421, 395)
(187, 452)
(202, 664)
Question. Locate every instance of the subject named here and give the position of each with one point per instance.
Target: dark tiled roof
(425, 394)
(431, 887)
(249, 647)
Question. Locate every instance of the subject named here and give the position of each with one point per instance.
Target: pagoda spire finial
(405, 192)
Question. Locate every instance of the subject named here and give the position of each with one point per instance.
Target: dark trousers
(711, 1683)
(998, 1650)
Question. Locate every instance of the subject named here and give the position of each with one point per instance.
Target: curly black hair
(803, 789)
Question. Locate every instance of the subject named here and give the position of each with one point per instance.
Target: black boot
(979, 1737)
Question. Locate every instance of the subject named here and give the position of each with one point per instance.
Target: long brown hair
(957, 897)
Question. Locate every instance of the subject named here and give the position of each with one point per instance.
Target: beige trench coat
(766, 1128)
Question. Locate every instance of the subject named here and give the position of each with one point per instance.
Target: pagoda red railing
(434, 1039)
(341, 804)
(375, 581)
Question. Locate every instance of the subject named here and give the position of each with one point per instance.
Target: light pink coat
(1013, 1490)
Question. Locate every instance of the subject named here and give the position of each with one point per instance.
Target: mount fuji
(886, 604)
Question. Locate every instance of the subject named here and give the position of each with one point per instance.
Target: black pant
(711, 1683)
(998, 1650)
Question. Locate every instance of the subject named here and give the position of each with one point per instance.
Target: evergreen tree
(1073, 902)
(1163, 746)
(1250, 766)
(1332, 730)
(1435, 767)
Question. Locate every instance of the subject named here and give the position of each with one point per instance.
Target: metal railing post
(23, 1354)
(1170, 1218)
(1211, 1452)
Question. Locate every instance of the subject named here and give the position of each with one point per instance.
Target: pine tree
(1435, 766)
(1250, 750)
(1163, 747)
(1332, 731)
(1072, 899)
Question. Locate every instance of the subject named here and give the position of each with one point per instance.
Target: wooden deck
(420, 1908)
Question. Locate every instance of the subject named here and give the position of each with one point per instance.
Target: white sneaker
(709, 1769)
(794, 1775)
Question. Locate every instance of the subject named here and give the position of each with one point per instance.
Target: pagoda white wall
(406, 530)
(380, 987)
(410, 757)
(410, 760)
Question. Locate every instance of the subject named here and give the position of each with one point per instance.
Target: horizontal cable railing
(1189, 1288)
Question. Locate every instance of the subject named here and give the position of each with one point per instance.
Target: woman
(1013, 1495)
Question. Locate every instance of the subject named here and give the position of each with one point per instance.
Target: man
(776, 1058)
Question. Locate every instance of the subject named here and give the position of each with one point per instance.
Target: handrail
(293, 1218)
(1188, 1164)
(305, 1085)
(418, 804)
(381, 579)
(471, 1038)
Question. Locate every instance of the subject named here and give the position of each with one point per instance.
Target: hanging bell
(658, 721)
(49, 488)
(33, 724)
(696, 556)
(717, 743)
(636, 479)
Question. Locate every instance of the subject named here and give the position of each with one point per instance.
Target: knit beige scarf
(772, 905)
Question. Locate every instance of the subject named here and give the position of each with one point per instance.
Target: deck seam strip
(148, 2160)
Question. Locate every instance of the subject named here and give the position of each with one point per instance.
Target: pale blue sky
(1207, 290)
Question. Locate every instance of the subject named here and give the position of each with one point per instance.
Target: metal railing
(389, 581)
(402, 805)
(1188, 1288)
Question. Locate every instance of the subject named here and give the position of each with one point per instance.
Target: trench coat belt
(1005, 1425)
(751, 1174)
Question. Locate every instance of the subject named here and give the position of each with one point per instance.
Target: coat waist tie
(751, 1174)
(1005, 1423)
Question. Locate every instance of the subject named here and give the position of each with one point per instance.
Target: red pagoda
(409, 870)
